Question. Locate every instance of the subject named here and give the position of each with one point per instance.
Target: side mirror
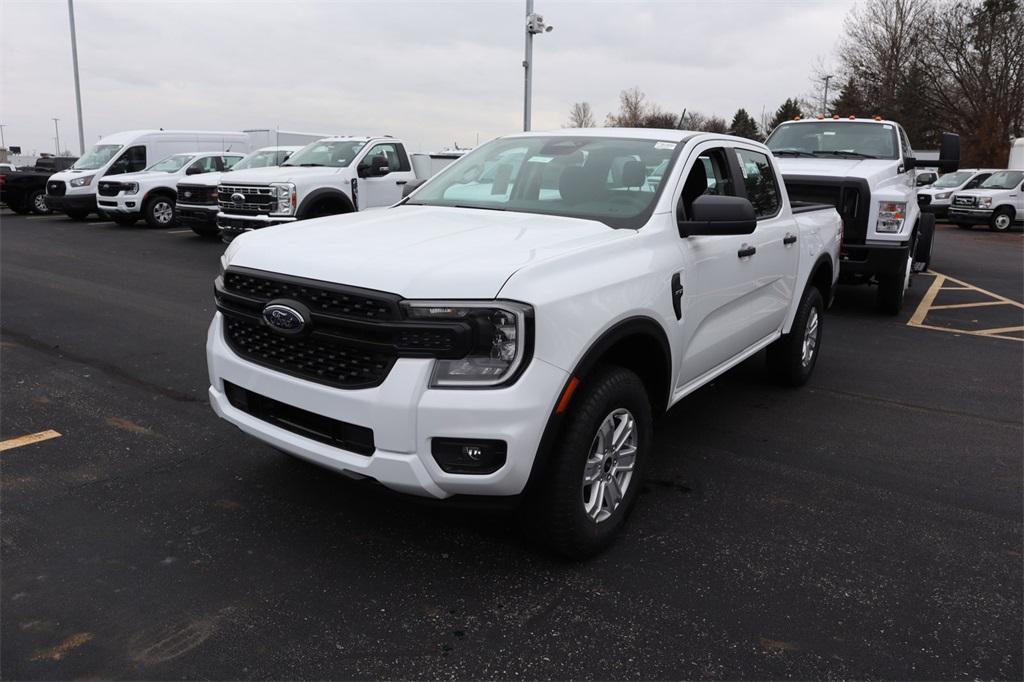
(909, 163)
(949, 153)
(377, 167)
(923, 180)
(193, 170)
(718, 216)
(411, 187)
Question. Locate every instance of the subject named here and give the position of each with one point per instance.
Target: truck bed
(807, 206)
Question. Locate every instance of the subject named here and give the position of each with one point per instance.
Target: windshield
(334, 154)
(1003, 180)
(262, 159)
(839, 139)
(171, 164)
(953, 179)
(97, 157)
(613, 180)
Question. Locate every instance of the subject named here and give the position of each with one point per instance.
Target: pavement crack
(107, 368)
(915, 406)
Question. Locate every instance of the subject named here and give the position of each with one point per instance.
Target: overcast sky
(432, 73)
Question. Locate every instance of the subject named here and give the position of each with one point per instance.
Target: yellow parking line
(12, 443)
(929, 296)
(968, 305)
(985, 333)
(1000, 330)
(984, 291)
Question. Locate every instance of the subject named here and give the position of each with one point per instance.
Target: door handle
(746, 251)
(789, 239)
(401, 182)
(677, 296)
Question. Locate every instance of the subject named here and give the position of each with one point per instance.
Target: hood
(268, 174)
(978, 192)
(417, 251)
(202, 180)
(871, 170)
(136, 177)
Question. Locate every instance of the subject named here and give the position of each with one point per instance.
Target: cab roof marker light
(835, 117)
(852, 117)
(877, 117)
(796, 118)
(821, 117)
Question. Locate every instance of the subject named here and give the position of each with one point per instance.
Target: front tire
(793, 356)
(78, 215)
(123, 220)
(206, 230)
(597, 466)
(892, 287)
(37, 202)
(159, 211)
(1002, 220)
(925, 236)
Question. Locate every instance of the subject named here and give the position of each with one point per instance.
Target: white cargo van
(73, 191)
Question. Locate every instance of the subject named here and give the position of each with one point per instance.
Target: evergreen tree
(744, 125)
(789, 110)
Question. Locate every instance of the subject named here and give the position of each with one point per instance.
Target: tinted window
(394, 154)
(133, 160)
(977, 180)
(207, 164)
(759, 180)
(708, 175)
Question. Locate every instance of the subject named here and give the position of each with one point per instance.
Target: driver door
(385, 190)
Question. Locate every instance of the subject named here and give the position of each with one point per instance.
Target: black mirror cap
(949, 153)
(411, 187)
(719, 215)
(909, 163)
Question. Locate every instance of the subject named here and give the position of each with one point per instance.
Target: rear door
(776, 240)
(387, 189)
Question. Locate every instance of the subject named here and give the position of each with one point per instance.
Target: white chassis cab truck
(328, 177)
(865, 168)
(151, 194)
(197, 205)
(511, 328)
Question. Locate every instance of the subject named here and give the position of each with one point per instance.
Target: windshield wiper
(856, 155)
(791, 152)
(482, 208)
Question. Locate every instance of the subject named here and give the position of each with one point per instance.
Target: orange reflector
(570, 388)
(835, 117)
(796, 118)
(852, 117)
(877, 117)
(820, 117)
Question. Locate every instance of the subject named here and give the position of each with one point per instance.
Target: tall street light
(534, 25)
(57, 138)
(824, 98)
(78, 89)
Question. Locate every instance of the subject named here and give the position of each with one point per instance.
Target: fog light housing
(469, 455)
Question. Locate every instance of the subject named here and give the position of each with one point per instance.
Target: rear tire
(892, 287)
(20, 209)
(159, 211)
(77, 214)
(594, 478)
(1002, 220)
(793, 356)
(37, 202)
(925, 236)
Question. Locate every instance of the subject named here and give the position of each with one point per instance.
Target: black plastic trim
(316, 195)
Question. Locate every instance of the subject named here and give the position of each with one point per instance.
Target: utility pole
(534, 25)
(57, 138)
(78, 88)
(3, 145)
(824, 99)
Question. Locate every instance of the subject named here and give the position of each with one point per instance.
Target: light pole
(3, 145)
(534, 25)
(57, 133)
(824, 99)
(78, 89)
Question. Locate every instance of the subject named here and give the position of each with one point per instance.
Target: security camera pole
(534, 25)
(78, 89)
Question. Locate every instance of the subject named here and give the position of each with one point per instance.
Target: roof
(840, 119)
(126, 136)
(666, 134)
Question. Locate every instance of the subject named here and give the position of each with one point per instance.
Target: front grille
(968, 201)
(56, 188)
(258, 199)
(352, 437)
(320, 299)
(197, 194)
(318, 358)
(109, 189)
(924, 199)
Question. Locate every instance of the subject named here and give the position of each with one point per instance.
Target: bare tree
(581, 116)
(633, 108)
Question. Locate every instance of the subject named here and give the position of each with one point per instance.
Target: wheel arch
(168, 192)
(321, 194)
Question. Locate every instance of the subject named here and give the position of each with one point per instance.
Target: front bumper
(938, 210)
(71, 202)
(857, 261)
(970, 216)
(122, 204)
(196, 215)
(404, 415)
(232, 225)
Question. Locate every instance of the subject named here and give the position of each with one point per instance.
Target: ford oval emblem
(188, 195)
(283, 318)
(238, 198)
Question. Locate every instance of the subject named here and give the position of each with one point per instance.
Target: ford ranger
(865, 168)
(513, 326)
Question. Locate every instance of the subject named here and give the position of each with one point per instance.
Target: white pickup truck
(511, 329)
(865, 168)
(328, 177)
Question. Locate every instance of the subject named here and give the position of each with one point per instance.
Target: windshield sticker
(541, 159)
(886, 126)
(829, 132)
(665, 145)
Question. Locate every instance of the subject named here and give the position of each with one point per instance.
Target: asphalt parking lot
(867, 526)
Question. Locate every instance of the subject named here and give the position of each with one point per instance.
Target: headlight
(82, 182)
(890, 216)
(985, 202)
(286, 199)
(944, 195)
(130, 187)
(500, 342)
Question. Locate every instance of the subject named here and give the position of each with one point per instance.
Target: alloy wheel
(610, 465)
